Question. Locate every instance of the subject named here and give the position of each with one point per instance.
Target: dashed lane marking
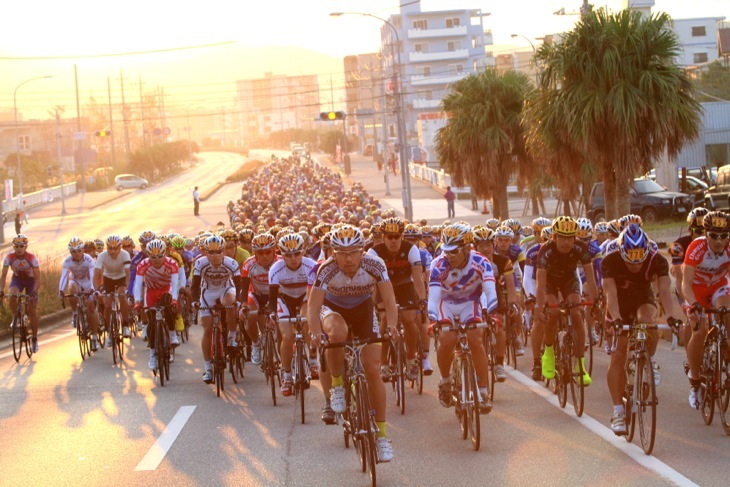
(157, 452)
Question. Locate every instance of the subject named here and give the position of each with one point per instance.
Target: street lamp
(17, 137)
(534, 51)
(405, 176)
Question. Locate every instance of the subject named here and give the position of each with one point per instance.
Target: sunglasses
(392, 237)
(127, 246)
(264, 252)
(454, 252)
(113, 248)
(718, 236)
(81, 251)
(697, 230)
(155, 257)
(215, 252)
(18, 246)
(293, 254)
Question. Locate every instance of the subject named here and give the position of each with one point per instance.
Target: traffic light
(332, 116)
(104, 133)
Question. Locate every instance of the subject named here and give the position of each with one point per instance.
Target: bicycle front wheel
(471, 392)
(400, 377)
(708, 380)
(300, 379)
(646, 403)
(18, 338)
(114, 333)
(159, 351)
(563, 374)
(723, 392)
(368, 456)
(577, 387)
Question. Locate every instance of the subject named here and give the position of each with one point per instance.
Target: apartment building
(366, 101)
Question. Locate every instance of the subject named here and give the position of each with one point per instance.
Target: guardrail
(39, 198)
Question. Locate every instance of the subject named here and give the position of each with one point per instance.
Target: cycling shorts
(707, 296)
(405, 294)
(257, 301)
(288, 306)
(26, 285)
(563, 288)
(468, 312)
(82, 286)
(110, 285)
(209, 297)
(361, 321)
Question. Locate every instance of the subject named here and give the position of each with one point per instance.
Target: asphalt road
(64, 421)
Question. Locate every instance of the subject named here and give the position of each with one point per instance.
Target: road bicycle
(639, 396)
(464, 389)
(218, 348)
(115, 327)
(358, 420)
(395, 360)
(300, 360)
(21, 326)
(157, 318)
(186, 312)
(489, 340)
(80, 321)
(270, 358)
(715, 369)
(134, 324)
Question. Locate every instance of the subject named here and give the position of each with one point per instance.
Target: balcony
(442, 79)
(430, 33)
(420, 57)
(424, 104)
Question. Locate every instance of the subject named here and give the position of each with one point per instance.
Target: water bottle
(561, 337)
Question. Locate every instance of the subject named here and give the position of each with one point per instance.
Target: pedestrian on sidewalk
(196, 202)
(17, 223)
(23, 212)
(449, 196)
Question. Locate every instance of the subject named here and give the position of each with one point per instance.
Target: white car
(130, 181)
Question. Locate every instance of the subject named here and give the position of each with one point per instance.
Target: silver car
(130, 181)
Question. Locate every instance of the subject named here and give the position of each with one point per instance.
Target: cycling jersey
(157, 280)
(21, 265)
(633, 289)
(182, 280)
(399, 263)
(241, 256)
(213, 278)
(113, 268)
(426, 260)
(474, 282)
(562, 266)
(138, 257)
(503, 270)
(710, 268)
(678, 249)
(292, 282)
(80, 272)
(258, 274)
(348, 292)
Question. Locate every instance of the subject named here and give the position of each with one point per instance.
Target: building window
(699, 31)
(420, 24)
(24, 142)
(423, 70)
(428, 95)
(456, 68)
(421, 47)
(700, 57)
(473, 42)
(454, 45)
(455, 22)
(475, 66)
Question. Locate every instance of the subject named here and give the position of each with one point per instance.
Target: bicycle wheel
(471, 391)
(589, 352)
(562, 374)
(577, 387)
(300, 381)
(489, 348)
(270, 364)
(114, 333)
(159, 351)
(418, 383)
(18, 338)
(27, 337)
(708, 381)
(231, 354)
(167, 352)
(368, 451)
(219, 364)
(400, 377)
(723, 393)
(646, 403)
(630, 402)
(458, 397)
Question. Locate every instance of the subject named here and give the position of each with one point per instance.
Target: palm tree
(612, 91)
(483, 137)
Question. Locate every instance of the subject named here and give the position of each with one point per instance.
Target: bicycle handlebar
(359, 342)
(471, 326)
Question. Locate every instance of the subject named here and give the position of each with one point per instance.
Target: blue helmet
(633, 244)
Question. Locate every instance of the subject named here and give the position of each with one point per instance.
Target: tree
(713, 84)
(612, 91)
(483, 139)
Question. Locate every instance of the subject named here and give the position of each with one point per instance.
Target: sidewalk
(428, 202)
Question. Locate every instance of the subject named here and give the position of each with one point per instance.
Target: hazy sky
(46, 28)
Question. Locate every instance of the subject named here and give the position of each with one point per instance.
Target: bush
(245, 171)
(48, 301)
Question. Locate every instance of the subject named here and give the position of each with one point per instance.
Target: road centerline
(162, 445)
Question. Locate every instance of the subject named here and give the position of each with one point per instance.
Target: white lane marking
(629, 449)
(157, 452)
(43, 342)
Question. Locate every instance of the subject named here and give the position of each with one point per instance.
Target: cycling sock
(337, 381)
(618, 409)
(484, 391)
(208, 365)
(231, 335)
(381, 429)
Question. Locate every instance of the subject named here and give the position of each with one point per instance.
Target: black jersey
(679, 248)
(562, 266)
(630, 283)
(399, 264)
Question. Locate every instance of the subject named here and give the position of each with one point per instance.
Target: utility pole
(141, 111)
(384, 152)
(124, 118)
(78, 129)
(60, 163)
(111, 120)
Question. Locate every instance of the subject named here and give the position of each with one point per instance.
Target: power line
(117, 54)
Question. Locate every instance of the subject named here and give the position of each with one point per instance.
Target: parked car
(718, 196)
(708, 175)
(648, 199)
(695, 187)
(130, 181)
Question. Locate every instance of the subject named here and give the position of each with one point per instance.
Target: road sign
(79, 135)
(166, 131)
(157, 132)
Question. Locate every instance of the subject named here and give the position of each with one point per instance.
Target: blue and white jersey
(472, 282)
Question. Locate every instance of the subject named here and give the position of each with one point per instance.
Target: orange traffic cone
(485, 210)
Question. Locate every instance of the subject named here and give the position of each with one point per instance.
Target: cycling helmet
(114, 241)
(483, 234)
(565, 226)
(629, 219)
(156, 248)
(514, 224)
(392, 225)
(290, 244)
(322, 229)
(695, 217)
(546, 234)
(99, 244)
(263, 241)
(412, 231)
(539, 223)
(89, 246)
(346, 236)
(585, 228)
(178, 242)
(633, 244)
(527, 232)
(456, 235)
(601, 227)
(426, 231)
(716, 221)
(229, 235)
(325, 241)
(75, 244)
(504, 231)
(246, 235)
(215, 243)
(493, 223)
(127, 241)
(613, 228)
(146, 236)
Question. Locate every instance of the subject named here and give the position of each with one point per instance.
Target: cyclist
(505, 287)
(461, 283)
(412, 234)
(341, 304)
(144, 238)
(530, 286)
(232, 249)
(405, 271)
(503, 239)
(289, 283)
(77, 273)
(627, 280)
(215, 277)
(128, 245)
(705, 284)
(255, 274)
(26, 278)
(158, 275)
(556, 278)
(111, 275)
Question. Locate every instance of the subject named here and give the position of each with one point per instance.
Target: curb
(46, 322)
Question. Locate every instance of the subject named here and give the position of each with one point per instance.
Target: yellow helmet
(565, 226)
